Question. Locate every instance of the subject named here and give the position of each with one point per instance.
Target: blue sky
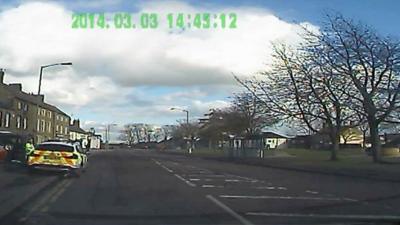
(131, 76)
(381, 14)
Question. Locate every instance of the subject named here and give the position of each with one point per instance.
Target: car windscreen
(55, 147)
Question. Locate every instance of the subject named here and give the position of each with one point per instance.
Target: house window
(66, 130)
(7, 120)
(26, 107)
(38, 125)
(49, 127)
(61, 118)
(49, 114)
(42, 125)
(19, 105)
(25, 123)
(19, 122)
(43, 112)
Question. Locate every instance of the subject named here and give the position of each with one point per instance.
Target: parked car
(58, 156)
(12, 147)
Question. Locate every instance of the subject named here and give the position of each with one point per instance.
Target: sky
(136, 75)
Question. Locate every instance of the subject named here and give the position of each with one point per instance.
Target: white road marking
(312, 192)
(282, 188)
(330, 216)
(56, 196)
(267, 188)
(167, 169)
(157, 162)
(164, 167)
(44, 200)
(186, 181)
(229, 210)
(60, 192)
(206, 175)
(284, 197)
(212, 186)
(244, 178)
(194, 179)
(232, 180)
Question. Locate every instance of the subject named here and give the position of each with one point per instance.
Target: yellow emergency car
(59, 156)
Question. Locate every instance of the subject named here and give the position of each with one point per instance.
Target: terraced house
(28, 114)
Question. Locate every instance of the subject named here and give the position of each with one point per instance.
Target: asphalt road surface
(144, 187)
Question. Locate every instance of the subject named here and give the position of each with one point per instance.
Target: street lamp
(55, 64)
(108, 127)
(183, 110)
(187, 123)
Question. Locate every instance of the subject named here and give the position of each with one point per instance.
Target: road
(144, 187)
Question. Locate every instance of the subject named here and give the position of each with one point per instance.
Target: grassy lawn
(308, 154)
(349, 159)
(208, 152)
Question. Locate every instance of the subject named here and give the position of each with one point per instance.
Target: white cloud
(109, 64)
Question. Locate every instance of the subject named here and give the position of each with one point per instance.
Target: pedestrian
(29, 148)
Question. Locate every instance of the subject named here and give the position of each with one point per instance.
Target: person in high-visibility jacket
(29, 148)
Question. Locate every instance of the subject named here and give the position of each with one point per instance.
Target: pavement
(144, 187)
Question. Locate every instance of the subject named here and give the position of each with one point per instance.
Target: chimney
(16, 87)
(76, 123)
(40, 97)
(1, 76)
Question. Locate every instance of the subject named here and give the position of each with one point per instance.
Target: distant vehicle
(12, 147)
(58, 156)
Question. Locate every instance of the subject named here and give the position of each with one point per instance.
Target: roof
(272, 135)
(34, 99)
(77, 129)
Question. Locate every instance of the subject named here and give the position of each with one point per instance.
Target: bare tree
(372, 64)
(298, 87)
(127, 134)
(252, 111)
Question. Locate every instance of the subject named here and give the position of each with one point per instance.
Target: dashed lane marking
(312, 192)
(206, 175)
(56, 196)
(284, 197)
(164, 167)
(230, 211)
(266, 188)
(211, 186)
(232, 180)
(176, 175)
(43, 200)
(186, 181)
(329, 216)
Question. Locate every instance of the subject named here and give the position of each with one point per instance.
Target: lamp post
(108, 127)
(183, 110)
(187, 124)
(45, 66)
